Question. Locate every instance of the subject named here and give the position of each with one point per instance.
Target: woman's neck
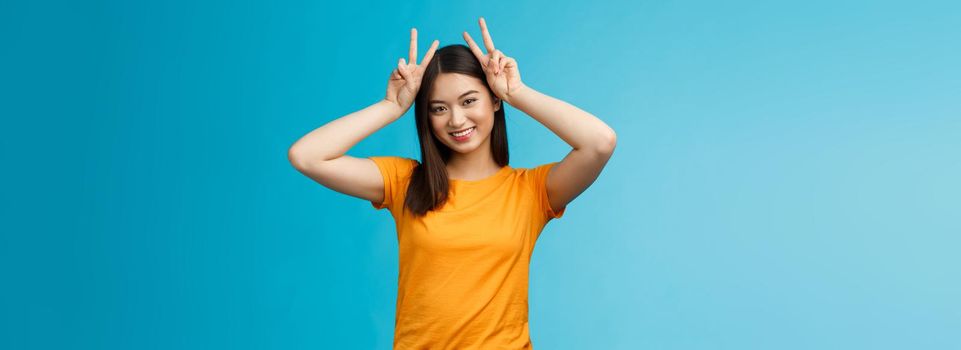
(472, 166)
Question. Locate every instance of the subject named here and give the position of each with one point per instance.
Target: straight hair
(429, 183)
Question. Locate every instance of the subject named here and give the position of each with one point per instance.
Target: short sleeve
(539, 179)
(395, 172)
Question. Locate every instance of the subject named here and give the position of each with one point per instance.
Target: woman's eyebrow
(460, 97)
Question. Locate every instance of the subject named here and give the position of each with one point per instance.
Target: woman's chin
(463, 148)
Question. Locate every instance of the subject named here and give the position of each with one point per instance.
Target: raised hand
(503, 76)
(405, 79)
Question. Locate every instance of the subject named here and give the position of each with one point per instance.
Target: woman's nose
(458, 117)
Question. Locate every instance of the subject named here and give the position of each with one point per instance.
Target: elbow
(305, 159)
(296, 158)
(292, 157)
(607, 143)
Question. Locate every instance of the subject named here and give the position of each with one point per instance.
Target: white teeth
(465, 132)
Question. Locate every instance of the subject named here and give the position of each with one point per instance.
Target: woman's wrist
(518, 93)
(393, 109)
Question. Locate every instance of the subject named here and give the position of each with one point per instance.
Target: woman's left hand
(502, 73)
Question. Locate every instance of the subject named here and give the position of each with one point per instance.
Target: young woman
(466, 220)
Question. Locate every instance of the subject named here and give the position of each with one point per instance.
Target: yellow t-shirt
(464, 268)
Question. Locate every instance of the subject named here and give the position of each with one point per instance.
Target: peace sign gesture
(502, 73)
(405, 79)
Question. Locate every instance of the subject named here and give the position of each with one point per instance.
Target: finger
(490, 65)
(488, 42)
(475, 49)
(430, 53)
(394, 75)
(402, 69)
(495, 61)
(502, 64)
(511, 63)
(413, 45)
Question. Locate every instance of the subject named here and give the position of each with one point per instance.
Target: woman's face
(460, 102)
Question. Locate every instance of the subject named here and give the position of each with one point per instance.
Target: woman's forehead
(450, 86)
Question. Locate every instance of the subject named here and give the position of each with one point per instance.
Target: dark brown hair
(429, 183)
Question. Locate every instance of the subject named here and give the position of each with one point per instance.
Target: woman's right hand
(405, 79)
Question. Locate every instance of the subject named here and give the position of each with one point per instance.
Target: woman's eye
(441, 109)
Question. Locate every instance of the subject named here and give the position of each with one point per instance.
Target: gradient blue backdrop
(786, 177)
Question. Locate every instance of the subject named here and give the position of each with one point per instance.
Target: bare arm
(592, 140)
(321, 154)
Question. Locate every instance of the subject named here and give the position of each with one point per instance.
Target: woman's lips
(464, 137)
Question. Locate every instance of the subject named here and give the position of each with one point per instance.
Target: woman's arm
(334, 139)
(320, 154)
(592, 140)
(581, 130)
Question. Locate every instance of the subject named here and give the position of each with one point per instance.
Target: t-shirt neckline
(499, 174)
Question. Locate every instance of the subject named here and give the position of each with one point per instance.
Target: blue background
(786, 177)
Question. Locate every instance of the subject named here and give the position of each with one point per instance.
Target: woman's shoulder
(395, 165)
(395, 159)
(535, 177)
(535, 171)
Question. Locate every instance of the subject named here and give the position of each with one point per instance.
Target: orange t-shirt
(464, 267)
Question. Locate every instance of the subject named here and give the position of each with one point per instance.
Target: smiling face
(461, 102)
